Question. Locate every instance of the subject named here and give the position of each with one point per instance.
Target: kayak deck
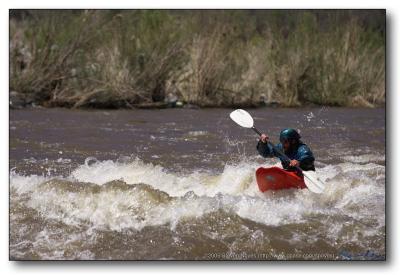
(275, 178)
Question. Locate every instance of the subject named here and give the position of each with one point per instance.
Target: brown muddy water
(179, 184)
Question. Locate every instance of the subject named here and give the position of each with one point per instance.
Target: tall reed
(114, 59)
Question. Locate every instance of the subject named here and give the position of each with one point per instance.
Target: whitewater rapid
(123, 195)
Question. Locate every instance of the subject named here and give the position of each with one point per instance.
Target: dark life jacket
(301, 153)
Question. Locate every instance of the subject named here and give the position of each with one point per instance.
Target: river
(179, 184)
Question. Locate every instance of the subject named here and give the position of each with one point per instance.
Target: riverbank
(216, 58)
(21, 101)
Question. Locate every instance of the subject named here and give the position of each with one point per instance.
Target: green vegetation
(123, 59)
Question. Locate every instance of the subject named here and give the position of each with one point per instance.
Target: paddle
(244, 119)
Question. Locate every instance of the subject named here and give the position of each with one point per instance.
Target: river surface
(180, 184)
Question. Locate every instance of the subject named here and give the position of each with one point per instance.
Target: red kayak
(275, 178)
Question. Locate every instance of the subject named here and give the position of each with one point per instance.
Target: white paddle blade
(313, 183)
(242, 118)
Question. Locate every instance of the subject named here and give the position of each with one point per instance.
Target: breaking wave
(119, 195)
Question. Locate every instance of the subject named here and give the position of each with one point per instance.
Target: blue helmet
(289, 134)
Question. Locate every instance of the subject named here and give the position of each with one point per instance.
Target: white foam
(352, 190)
(23, 184)
(235, 179)
(366, 158)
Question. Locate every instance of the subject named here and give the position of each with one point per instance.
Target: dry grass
(115, 59)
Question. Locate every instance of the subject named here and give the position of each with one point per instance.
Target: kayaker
(290, 143)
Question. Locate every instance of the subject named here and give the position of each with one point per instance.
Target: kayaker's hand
(264, 138)
(294, 163)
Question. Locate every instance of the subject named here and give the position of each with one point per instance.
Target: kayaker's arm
(266, 150)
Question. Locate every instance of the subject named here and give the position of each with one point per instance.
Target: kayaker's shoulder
(304, 148)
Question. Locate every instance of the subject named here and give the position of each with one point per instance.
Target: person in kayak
(300, 154)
